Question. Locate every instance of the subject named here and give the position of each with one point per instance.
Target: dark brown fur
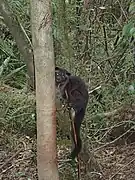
(74, 91)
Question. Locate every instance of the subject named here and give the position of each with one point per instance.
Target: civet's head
(61, 75)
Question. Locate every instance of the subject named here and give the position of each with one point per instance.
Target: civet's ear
(57, 68)
(62, 70)
(68, 73)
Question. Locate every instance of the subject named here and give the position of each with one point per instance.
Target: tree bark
(21, 40)
(45, 89)
(86, 4)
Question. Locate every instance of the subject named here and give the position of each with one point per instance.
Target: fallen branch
(107, 114)
(95, 89)
(10, 159)
(5, 170)
(122, 168)
(112, 142)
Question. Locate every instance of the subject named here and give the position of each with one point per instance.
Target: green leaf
(127, 28)
(132, 31)
(132, 8)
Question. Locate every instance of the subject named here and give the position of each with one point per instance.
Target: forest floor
(19, 162)
(18, 159)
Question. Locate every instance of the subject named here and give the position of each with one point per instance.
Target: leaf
(102, 7)
(131, 89)
(83, 27)
(14, 71)
(132, 31)
(132, 8)
(127, 28)
(4, 64)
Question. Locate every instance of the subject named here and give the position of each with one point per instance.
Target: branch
(11, 158)
(130, 162)
(112, 142)
(107, 114)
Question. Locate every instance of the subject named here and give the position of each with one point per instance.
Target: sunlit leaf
(132, 8)
(132, 31)
(127, 28)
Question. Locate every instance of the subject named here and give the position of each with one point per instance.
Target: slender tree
(45, 89)
(20, 38)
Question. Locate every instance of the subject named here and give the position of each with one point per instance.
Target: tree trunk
(45, 89)
(21, 40)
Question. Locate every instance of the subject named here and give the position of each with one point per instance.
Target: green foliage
(14, 73)
(132, 32)
(16, 113)
(132, 8)
(127, 29)
(93, 43)
(84, 44)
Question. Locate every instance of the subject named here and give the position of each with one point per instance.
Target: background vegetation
(92, 39)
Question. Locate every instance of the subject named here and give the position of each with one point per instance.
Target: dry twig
(12, 157)
(122, 168)
(112, 142)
